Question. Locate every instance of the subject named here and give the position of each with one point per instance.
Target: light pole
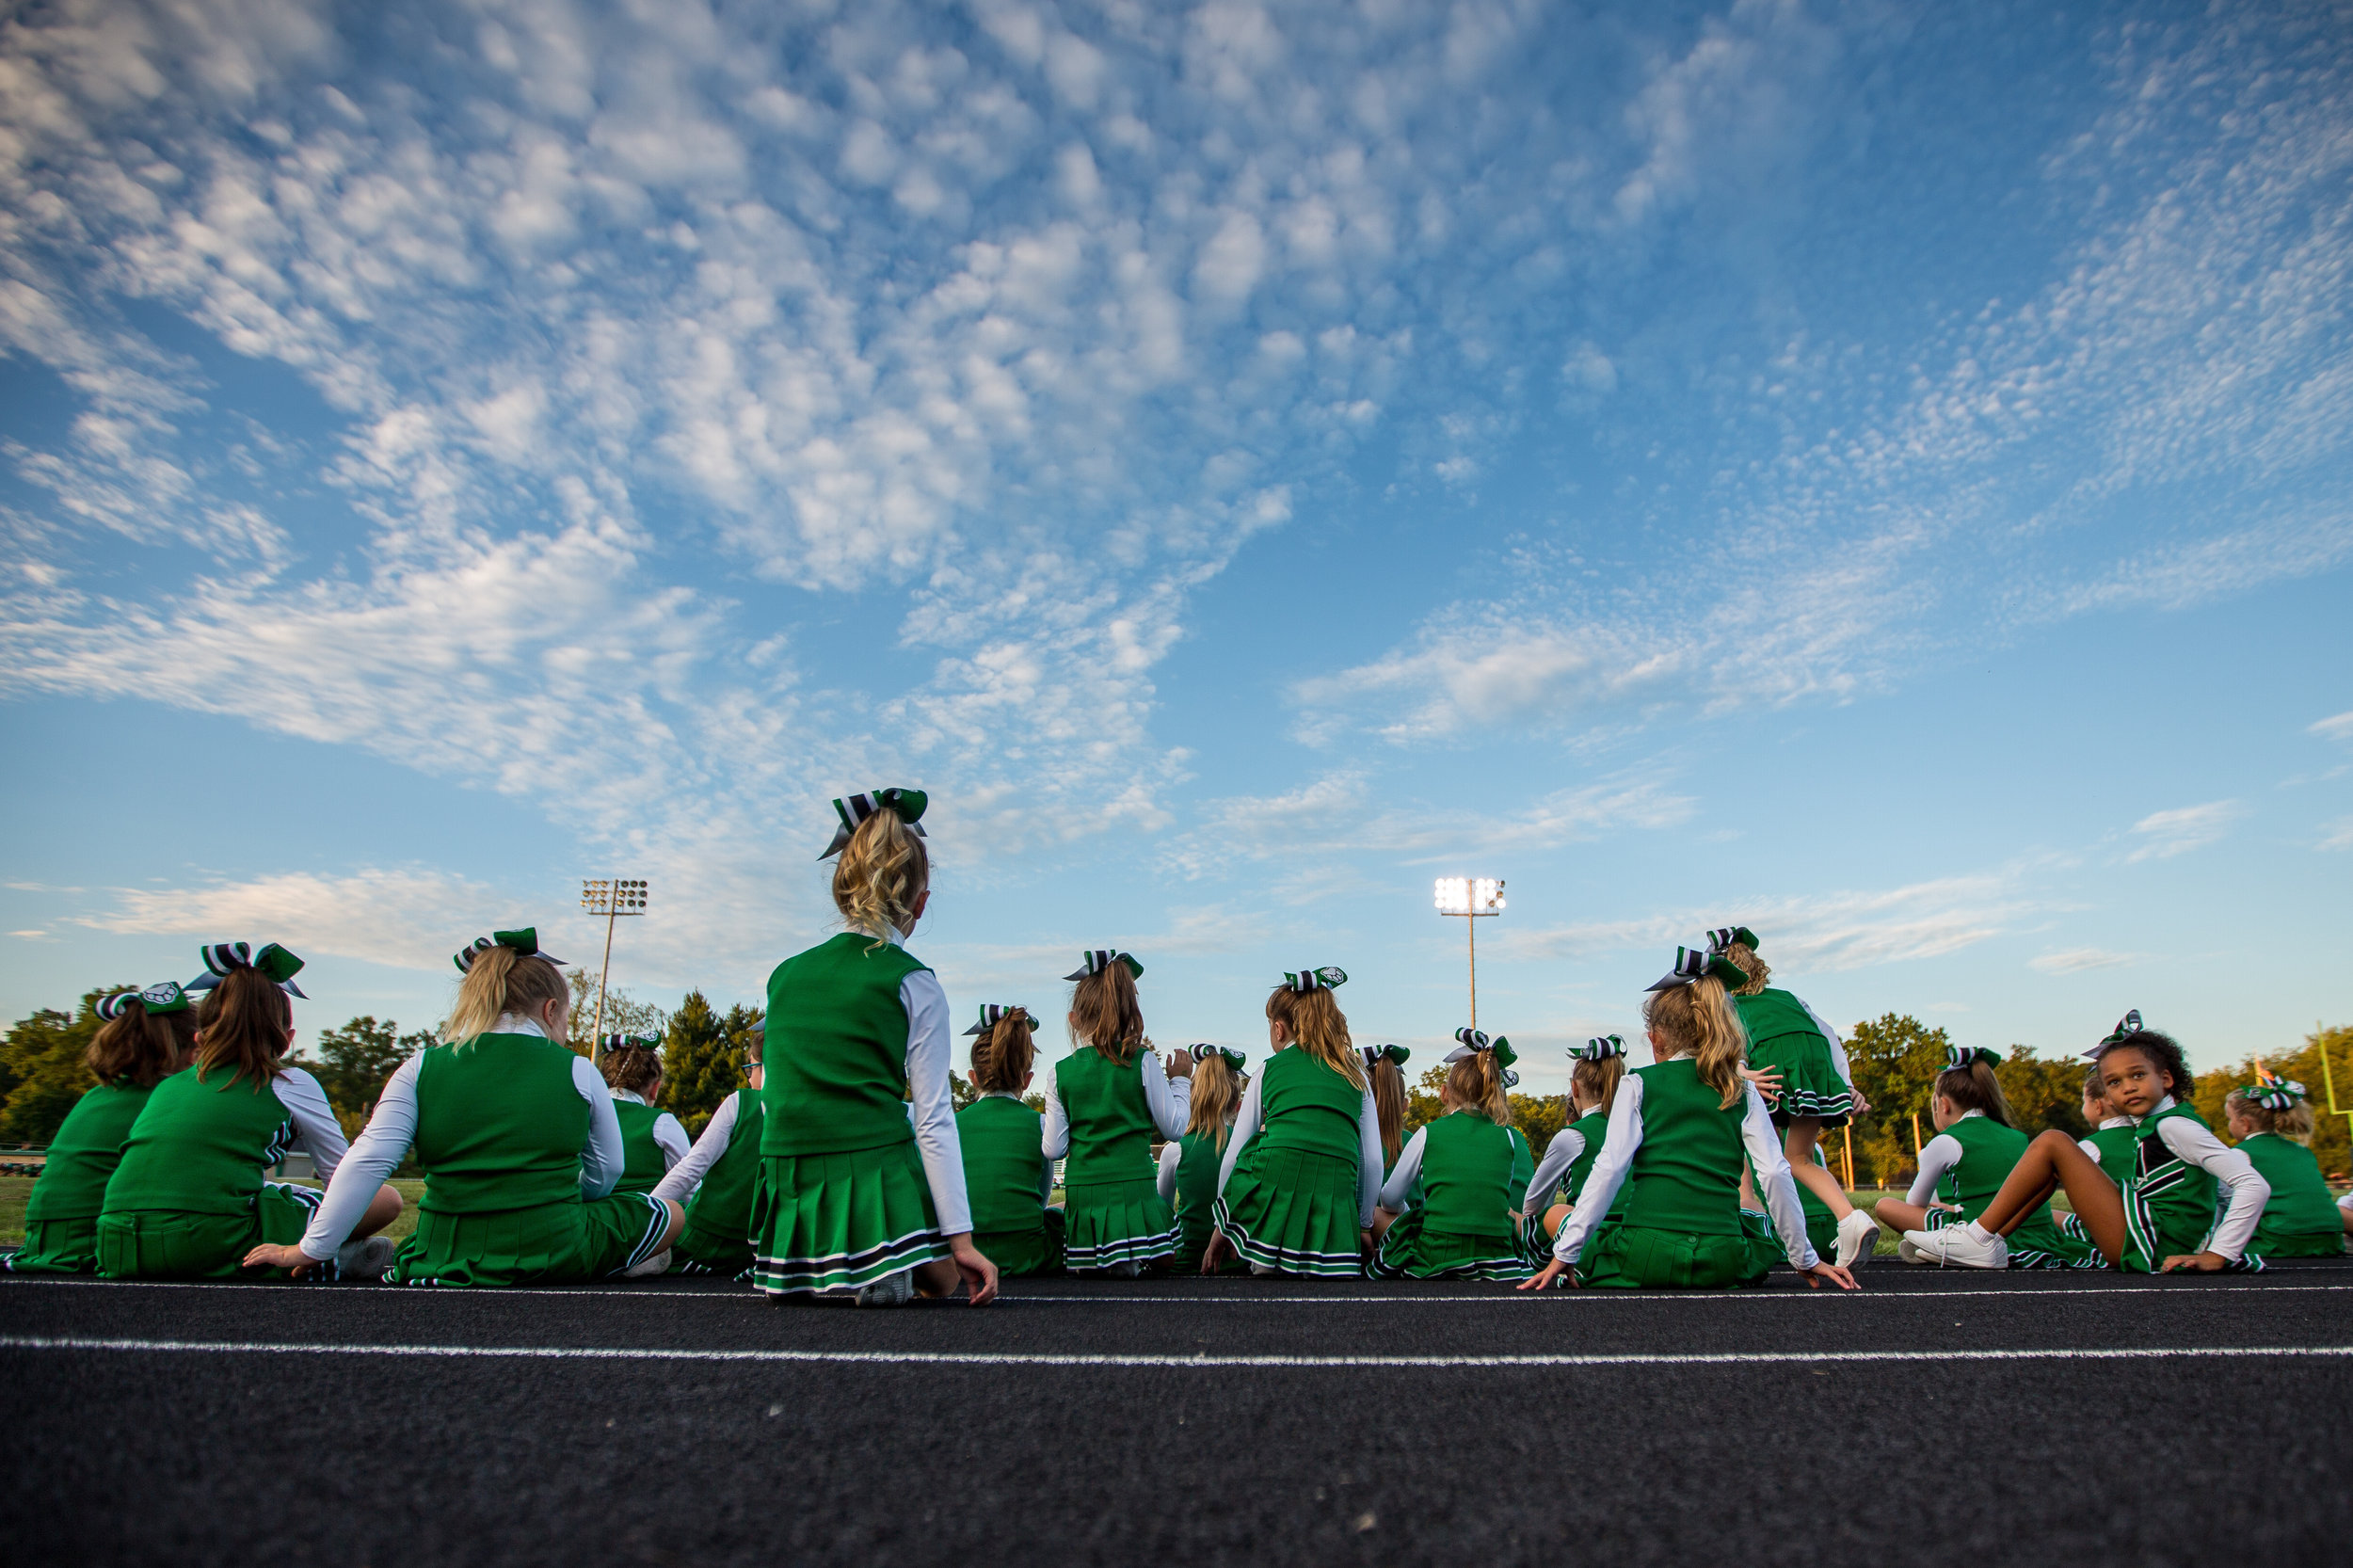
(1473, 898)
(612, 900)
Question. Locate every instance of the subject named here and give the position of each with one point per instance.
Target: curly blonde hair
(1700, 1018)
(883, 870)
(1744, 958)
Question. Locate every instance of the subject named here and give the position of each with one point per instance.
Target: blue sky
(1873, 473)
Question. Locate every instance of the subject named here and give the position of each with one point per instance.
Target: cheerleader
(1104, 1102)
(1189, 1166)
(145, 1037)
(2164, 1216)
(1600, 1062)
(653, 1141)
(518, 1139)
(1816, 1090)
(1007, 1176)
(864, 1193)
(718, 1182)
(2271, 1124)
(1678, 1129)
(1468, 1164)
(1976, 1145)
(2112, 1143)
(1301, 1173)
(190, 1198)
(1385, 1070)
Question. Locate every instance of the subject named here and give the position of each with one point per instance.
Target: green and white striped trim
(1321, 1264)
(657, 1220)
(1804, 1102)
(790, 1277)
(1510, 1266)
(1128, 1249)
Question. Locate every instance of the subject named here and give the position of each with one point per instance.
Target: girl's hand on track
(2203, 1262)
(293, 1259)
(980, 1274)
(1214, 1256)
(1831, 1272)
(1544, 1278)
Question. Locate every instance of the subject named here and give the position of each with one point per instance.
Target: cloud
(2337, 834)
(412, 917)
(2183, 829)
(2337, 727)
(2076, 960)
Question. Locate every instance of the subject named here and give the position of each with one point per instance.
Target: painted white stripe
(987, 1358)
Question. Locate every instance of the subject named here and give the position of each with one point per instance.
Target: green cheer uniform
(1787, 1037)
(1112, 1210)
(1292, 1195)
(1468, 1227)
(188, 1199)
(2301, 1220)
(715, 1238)
(645, 1162)
(2168, 1201)
(1199, 1157)
(1989, 1151)
(61, 1216)
(1683, 1225)
(499, 1126)
(1008, 1177)
(847, 1200)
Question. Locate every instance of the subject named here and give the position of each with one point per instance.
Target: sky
(1874, 473)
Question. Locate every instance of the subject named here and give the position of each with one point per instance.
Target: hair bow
(1968, 1056)
(622, 1042)
(1474, 1040)
(1375, 1055)
(1321, 979)
(273, 962)
(2126, 1027)
(1601, 1047)
(993, 1014)
(1721, 939)
(525, 944)
(2274, 1092)
(1235, 1061)
(1692, 965)
(164, 995)
(854, 809)
(1096, 960)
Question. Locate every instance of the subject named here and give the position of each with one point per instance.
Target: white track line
(953, 1358)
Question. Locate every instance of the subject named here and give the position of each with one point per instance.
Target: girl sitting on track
(1678, 1129)
(1976, 1145)
(1789, 1039)
(1468, 1227)
(2112, 1142)
(1569, 1157)
(517, 1137)
(1006, 1175)
(1189, 1166)
(190, 1199)
(2164, 1216)
(1303, 1167)
(652, 1140)
(718, 1182)
(1385, 1070)
(2270, 1123)
(147, 1036)
(1103, 1103)
(864, 1195)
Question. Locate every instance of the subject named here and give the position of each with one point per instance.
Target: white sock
(1979, 1231)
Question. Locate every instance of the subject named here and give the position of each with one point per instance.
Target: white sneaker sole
(1856, 1249)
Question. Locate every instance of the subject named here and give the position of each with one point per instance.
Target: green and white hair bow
(1601, 1047)
(273, 962)
(1473, 1041)
(1235, 1061)
(2274, 1092)
(2126, 1027)
(1096, 960)
(1692, 965)
(1969, 1056)
(854, 809)
(623, 1042)
(1322, 979)
(525, 943)
(1374, 1055)
(1721, 939)
(995, 1012)
(164, 995)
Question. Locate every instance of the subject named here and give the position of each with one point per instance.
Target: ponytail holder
(524, 944)
(1601, 1047)
(1721, 939)
(2274, 1092)
(993, 1014)
(1322, 979)
(1235, 1061)
(1096, 960)
(273, 962)
(2126, 1027)
(853, 810)
(1962, 1057)
(1692, 965)
(164, 995)
(1375, 1055)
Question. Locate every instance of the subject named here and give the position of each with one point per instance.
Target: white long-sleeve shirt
(1939, 1155)
(1551, 1170)
(1250, 1117)
(393, 1126)
(1169, 1104)
(669, 1133)
(931, 1044)
(2243, 1190)
(1171, 1155)
(685, 1175)
(316, 1131)
(1624, 1136)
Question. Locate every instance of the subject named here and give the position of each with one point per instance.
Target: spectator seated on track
(517, 1137)
(1600, 1062)
(1104, 1103)
(1683, 1131)
(1473, 1167)
(2166, 1215)
(1977, 1145)
(190, 1198)
(718, 1181)
(651, 1140)
(1189, 1164)
(147, 1036)
(2272, 1125)
(1007, 1174)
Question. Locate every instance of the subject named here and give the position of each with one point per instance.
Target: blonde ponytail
(499, 981)
(1216, 1092)
(1699, 1018)
(883, 870)
(1476, 1084)
(1317, 1024)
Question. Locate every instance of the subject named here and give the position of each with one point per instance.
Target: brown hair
(1388, 1105)
(503, 981)
(139, 1049)
(635, 1068)
(883, 870)
(1599, 1078)
(1001, 1057)
(1105, 1013)
(1315, 1021)
(1477, 1084)
(1216, 1094)
(2096, 1087)
(243, 1024)
(1744, 958)
(2295, 1122)
(1975, 1088)
(1700, 1018)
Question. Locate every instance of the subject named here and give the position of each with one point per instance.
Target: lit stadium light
(1470, 897)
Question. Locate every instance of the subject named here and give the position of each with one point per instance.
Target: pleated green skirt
(1035, 1250)
(154, 1243)
(555, 1243)
(2311, 1243)
(1110, 1222)
(1810, 1086)
(1410, 1250)
(1632, 1257)
(1293, 1213)
(61, 1246)
(832, 1223)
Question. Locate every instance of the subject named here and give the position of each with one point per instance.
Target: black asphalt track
(1934, 1418)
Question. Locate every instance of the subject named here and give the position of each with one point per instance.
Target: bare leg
(678, 1223)
(937, 1277)
(1382, 1220)
(2053, 1162)
(383, 1210)
(1900, 1216)
(1555, 1217)
(1798, 1143)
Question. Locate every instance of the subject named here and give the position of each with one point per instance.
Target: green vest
(836, 1048)
(1467, 1175)
(500, 1125)
(1771, 1014)
(1110, 1128)
(2180, 1195)
(1590, 1127)
(642, 1165)
(1006, 1173)
(720, 1212)
(1198, 1162)
(2302, 1204)
(1308, 1107)
(200, 1146)
(1988, 1151)
(2120, 1149)
(84, 1153)
(1685, 1176)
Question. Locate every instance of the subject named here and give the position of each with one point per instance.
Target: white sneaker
(657, 1264)
(1958, 1247)
(366, 1260)
(1906, 1253)
(890, 1290)
(1858, 1237)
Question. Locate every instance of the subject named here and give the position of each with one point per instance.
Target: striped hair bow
(2126, 1027)
(1969, 1056)
(1374, 1055)
(524, 943)
(273, 962)
(995, 1012)
(624, 1042)
(1692, 965)
(1322, 979)
(1235, 1061)
(2274, 1092)
(1721, 939)
(853, 810)
(1096, 960)
(1601, 1047)
(164, 995)
(1473, 1041)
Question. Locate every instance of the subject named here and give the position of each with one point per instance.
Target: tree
(353, 1061)
(2303, 1064)
(1893, 1061)
(42, 1068)
(1537, 1116)
(623, 1013)
(703, 1056)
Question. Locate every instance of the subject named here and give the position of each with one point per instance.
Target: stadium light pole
(1474, 898)
(613, 900)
